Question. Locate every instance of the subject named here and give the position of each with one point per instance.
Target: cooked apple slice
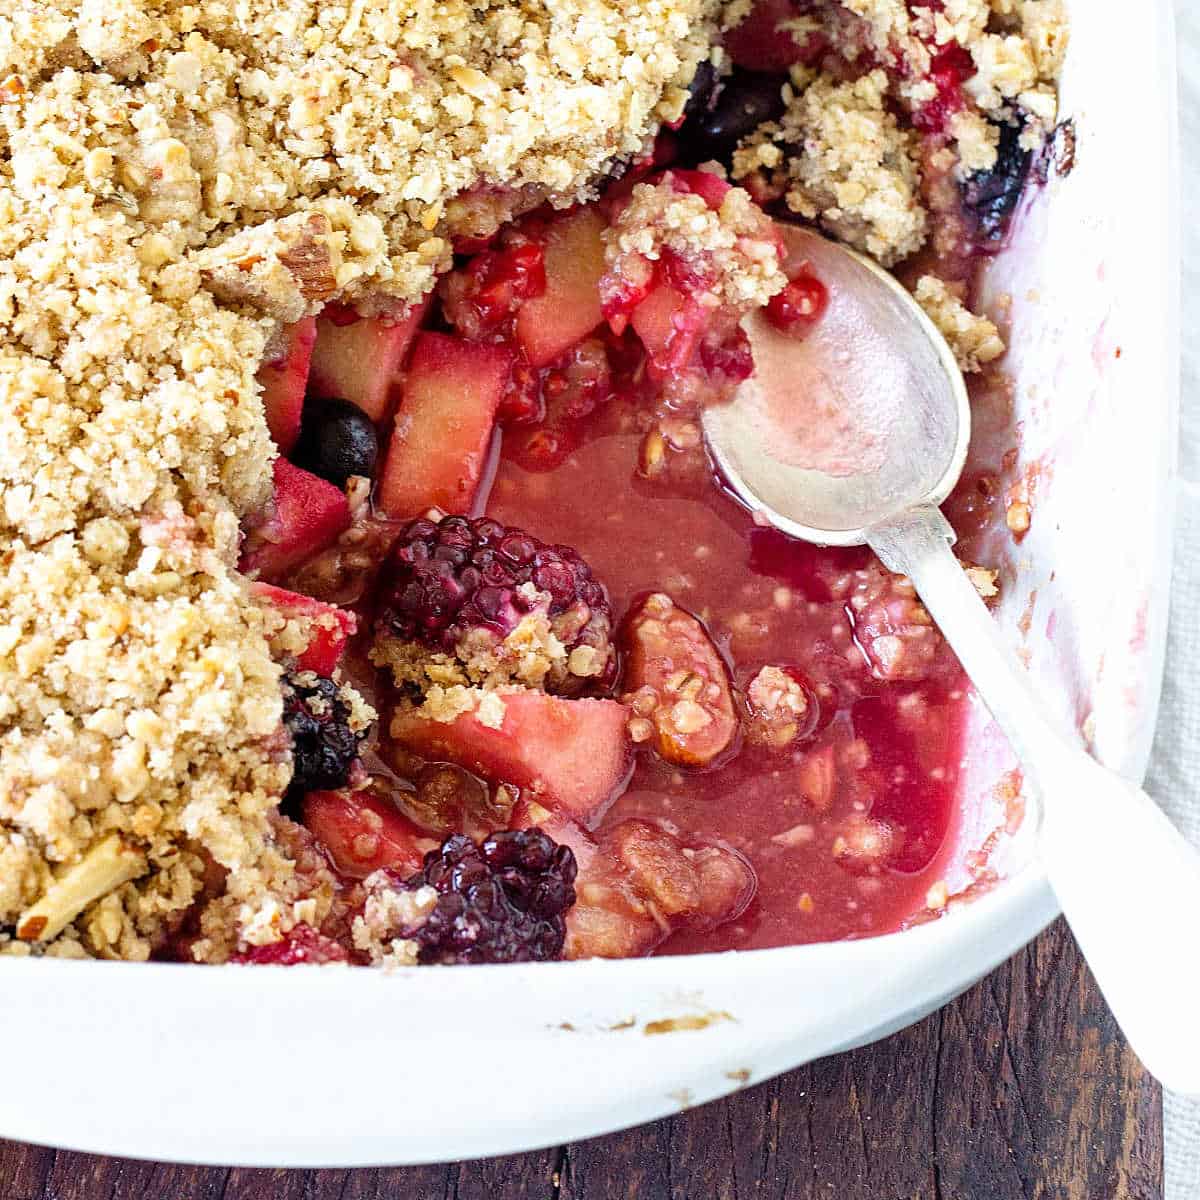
(569, 309)
(284, 378)
(330, 627)
(363, 832)
(305, 515)
(571, 755)
(359, 358)
(444, 425)
(670, 326)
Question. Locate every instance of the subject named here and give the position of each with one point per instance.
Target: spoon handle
(1127, 880)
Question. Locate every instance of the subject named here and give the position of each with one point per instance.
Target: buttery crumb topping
(974, 339)
(175, 181)
(852, 165)
(732, 248)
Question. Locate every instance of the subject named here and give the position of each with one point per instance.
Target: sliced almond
(105, 867)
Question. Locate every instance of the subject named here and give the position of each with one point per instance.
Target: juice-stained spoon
(855, 434)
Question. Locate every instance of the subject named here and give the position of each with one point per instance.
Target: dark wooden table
(1021, 1090)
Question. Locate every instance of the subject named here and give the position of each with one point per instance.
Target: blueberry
(337, 440)
(324, 746)
(743, 102)
(991, 196)
(702, 91)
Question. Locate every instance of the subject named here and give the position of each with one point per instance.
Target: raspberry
(950, 67)
(502, 900)
(799, 306)
(461, 586)
(483, 296)
(324, 747)
(555, 400)
(302, 945)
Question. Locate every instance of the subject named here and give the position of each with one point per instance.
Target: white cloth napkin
(1174, 777)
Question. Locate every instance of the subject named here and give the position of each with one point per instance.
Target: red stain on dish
(1026, 621)
(1105, 350)
(1137, 639)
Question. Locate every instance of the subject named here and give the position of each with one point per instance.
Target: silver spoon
(855, 435)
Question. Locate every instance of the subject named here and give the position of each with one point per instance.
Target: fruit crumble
(366, 593)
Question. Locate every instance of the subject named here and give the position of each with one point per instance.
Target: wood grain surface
(1021, 1090)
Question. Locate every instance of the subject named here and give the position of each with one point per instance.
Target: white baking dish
(312, 1067)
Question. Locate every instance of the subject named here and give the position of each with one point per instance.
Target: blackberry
(991, 196)
(461, 586)
(324, 747)
(501, 900)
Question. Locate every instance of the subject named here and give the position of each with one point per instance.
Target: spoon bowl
(865, 416)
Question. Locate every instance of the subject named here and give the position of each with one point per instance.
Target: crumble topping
(974, 339)
(175, 181)
(1017, 49)
(732, 250)
(528, 656)
(446, 704)
(854, 169)
(386, 911)
(778, 708)
(138, 698)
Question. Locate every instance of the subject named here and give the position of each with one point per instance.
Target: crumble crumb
(387, 912)
(974, 339)
(983, 579)
(778, 709)
(732, 252)
(446, 704)
(531, 655)
(853, 168)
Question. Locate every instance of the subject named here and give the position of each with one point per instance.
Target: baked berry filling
(765, 749)
(546, 689)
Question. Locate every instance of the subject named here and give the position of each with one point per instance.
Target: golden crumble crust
(838, 156)
(175, 181)
(853, 168)
(974, 339)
